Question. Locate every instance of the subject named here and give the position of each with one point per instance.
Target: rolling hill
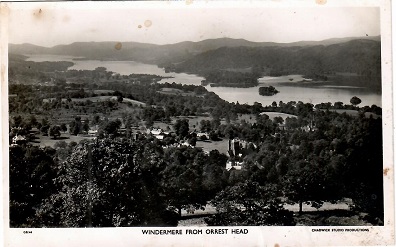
(156, 54)
(357, 55)
(362, 57)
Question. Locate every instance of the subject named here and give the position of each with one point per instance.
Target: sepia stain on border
(386, 170)
(188, 2)
(3, 68)
(148, 23)
(4, 8)
(46, 15)
(66, 18)
(38, 13)
(321, 2)
(276, 245)
(118, 46)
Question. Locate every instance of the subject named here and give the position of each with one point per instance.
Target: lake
(312, 94)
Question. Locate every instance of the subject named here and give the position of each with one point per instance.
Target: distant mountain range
(360, 55)
(154, 53)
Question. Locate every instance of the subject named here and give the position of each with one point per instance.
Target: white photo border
(257, 236)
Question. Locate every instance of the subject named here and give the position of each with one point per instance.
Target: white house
(237, 165)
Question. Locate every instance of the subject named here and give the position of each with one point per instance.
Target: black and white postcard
(197, 123)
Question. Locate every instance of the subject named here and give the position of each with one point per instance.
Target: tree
(17, 121)
(268, 91)
(278, 120)
(181, 127)
(205, 125)
(63, 150)
(54, 131)
(257, 108)
(355, 101)
(215, 123)
(44, 121)
(85, 127)
(63, 127)
(60, 144)
(31, 173)
(149, 123)
(192, 141)
(108, 183)
(214, 174)
(291, 123)
(44, 130)
(339, 105)
(32, 120)
(75, 126)
(364, 175)
(182, 178)
(96, 119)
(111, 128)
(229, 131)
(249, 204)
(312, 184)
(213, 135)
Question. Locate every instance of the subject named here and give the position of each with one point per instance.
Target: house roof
(18, 138)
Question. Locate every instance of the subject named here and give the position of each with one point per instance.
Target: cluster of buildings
(18, 140)
(235, 153)
(158, 133)
(235, 146)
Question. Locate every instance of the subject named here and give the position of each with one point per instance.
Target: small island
(268, 91)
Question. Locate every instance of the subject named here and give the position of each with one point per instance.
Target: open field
(63, 115)
(196, 221)
(175, 91)
(193, 122)
(100, 91)
(342, 205)
(134, 102)
(221, 146)
(98, 99)
(209, 209)
(44, 141)
(272, 115)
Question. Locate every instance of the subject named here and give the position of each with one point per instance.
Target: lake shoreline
(309, 92)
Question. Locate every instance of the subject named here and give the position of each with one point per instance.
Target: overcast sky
(49, 24)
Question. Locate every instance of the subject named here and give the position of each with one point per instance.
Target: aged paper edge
(258, 236)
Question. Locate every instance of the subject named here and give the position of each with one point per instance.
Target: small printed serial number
(27, 232)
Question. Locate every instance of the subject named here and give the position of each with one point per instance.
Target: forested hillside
(359, 56)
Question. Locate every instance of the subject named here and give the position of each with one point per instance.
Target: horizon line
(113, 41)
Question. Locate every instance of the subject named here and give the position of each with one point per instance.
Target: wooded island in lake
(268, 91)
